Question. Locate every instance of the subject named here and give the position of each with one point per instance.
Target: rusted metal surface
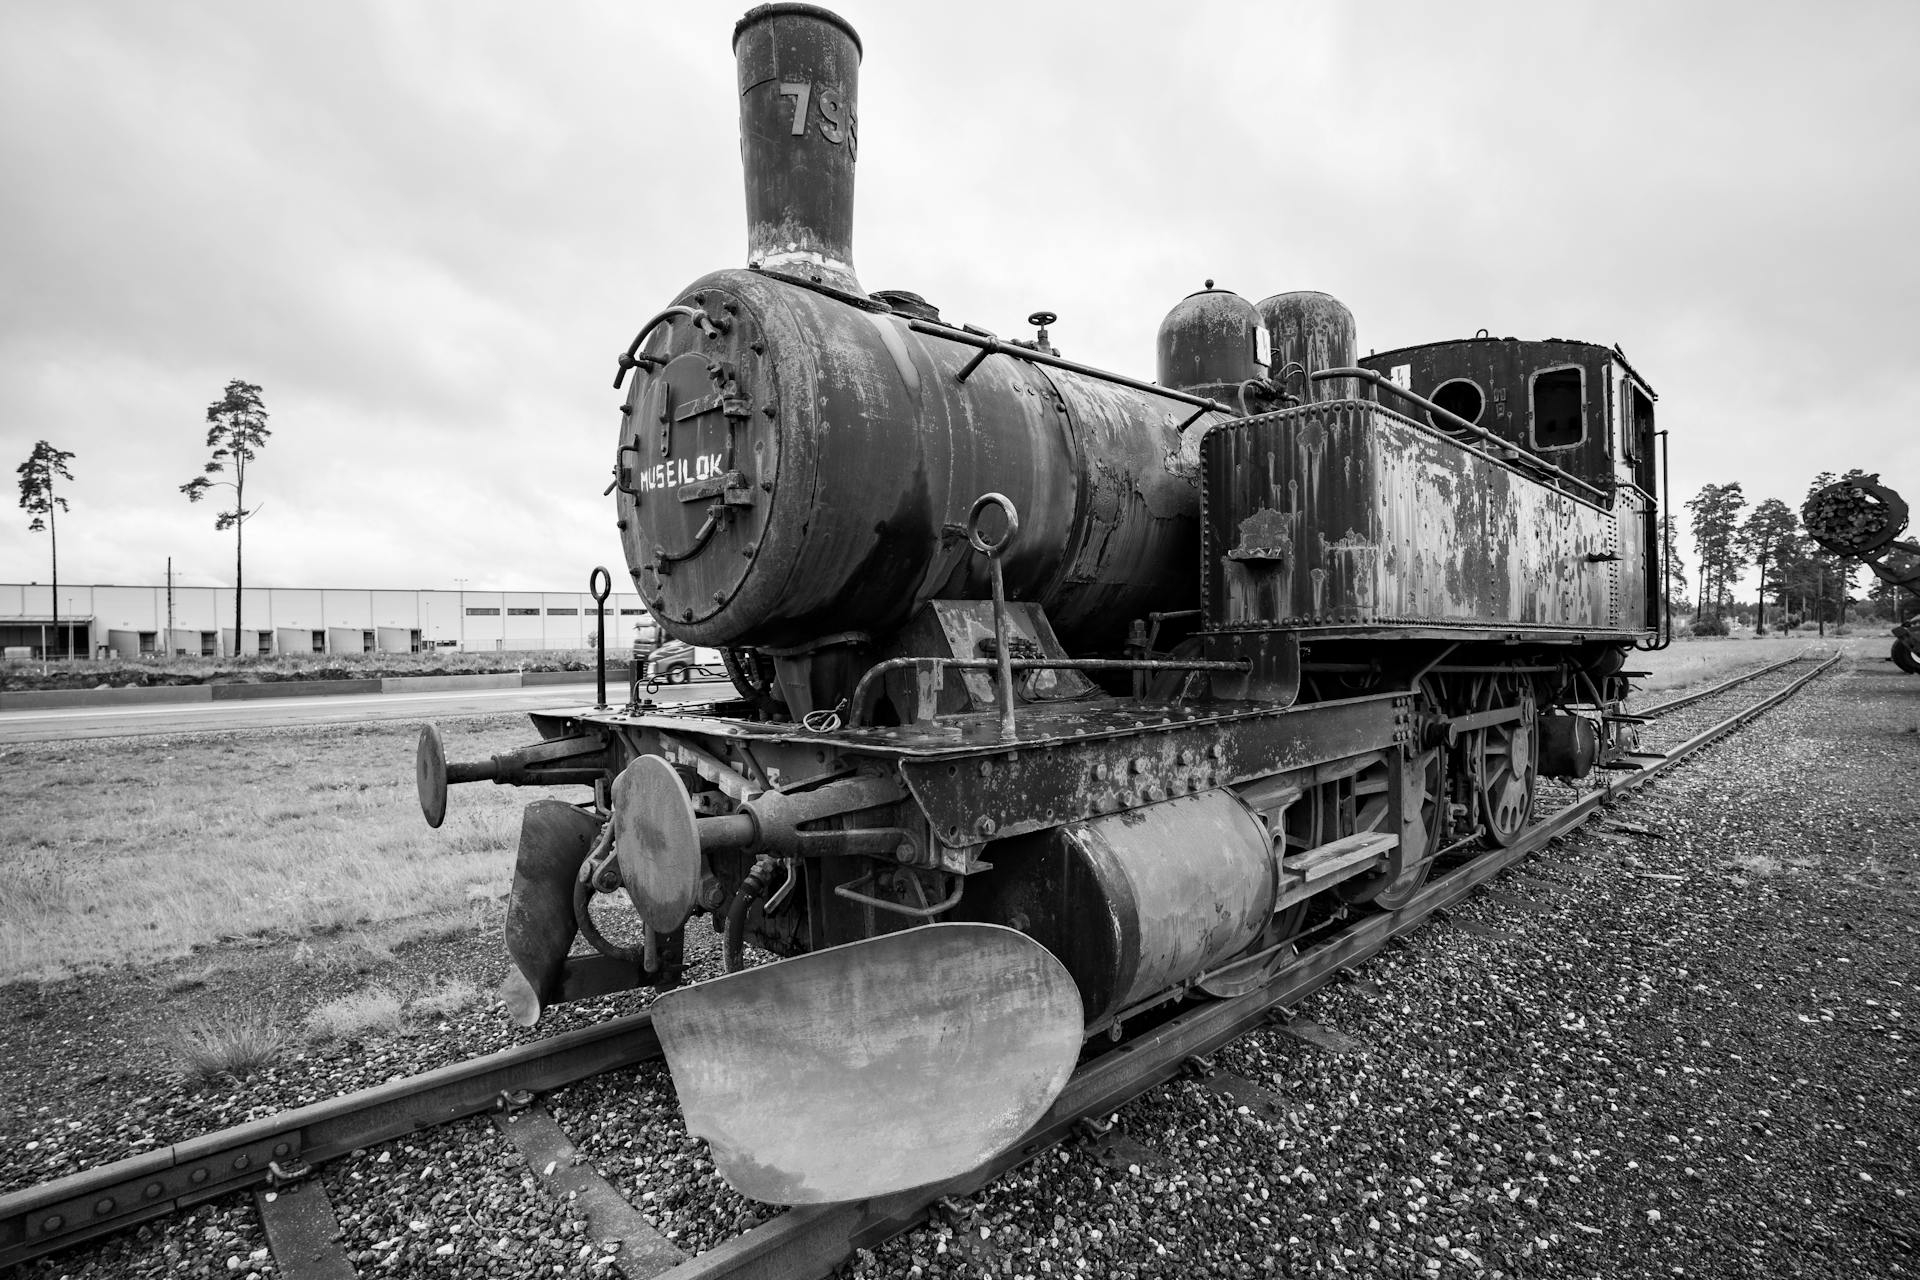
(748, 509)
(1314, 331)
(38, 1220)
(555, 839)
(1502, 371)
(657, 843)
(799, 74)
(1345, 514)
(769, 399)
(576, 755)
(970, 669)
(1438, 415)
(1210, 343)
(996, 793)
(1135, 902)
(874, 1067)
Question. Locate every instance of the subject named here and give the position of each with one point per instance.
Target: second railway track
(275, 1157)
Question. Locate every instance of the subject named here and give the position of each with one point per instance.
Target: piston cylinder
(1135, 902)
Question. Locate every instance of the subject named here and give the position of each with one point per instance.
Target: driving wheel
(1502, 759)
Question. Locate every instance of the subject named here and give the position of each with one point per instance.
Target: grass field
(144, 849)
(141, 850)
(119, 672)
(1691, 662)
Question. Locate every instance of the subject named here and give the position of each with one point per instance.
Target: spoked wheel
(1425, 809)
(1502, 760)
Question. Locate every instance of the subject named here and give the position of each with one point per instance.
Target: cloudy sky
(426, 229)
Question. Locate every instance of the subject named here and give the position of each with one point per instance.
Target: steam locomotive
(1058, 695)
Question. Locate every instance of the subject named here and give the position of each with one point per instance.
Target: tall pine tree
(38, 500)
(236, 431)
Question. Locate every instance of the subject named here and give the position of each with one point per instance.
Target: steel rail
(93, 1202)
(807, 1241)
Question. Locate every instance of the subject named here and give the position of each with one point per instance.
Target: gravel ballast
(1682, 1051)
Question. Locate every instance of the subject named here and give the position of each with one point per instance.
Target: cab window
(1559, 420)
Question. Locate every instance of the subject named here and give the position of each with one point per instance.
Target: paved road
(190, 717)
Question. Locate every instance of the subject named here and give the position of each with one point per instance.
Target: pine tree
(1716, 537)
(38, 500)
(236, 431)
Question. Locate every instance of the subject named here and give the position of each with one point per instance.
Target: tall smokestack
(799, 135)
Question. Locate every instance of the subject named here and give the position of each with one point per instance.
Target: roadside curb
(54, 699)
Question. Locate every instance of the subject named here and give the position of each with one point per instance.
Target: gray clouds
(426, 230)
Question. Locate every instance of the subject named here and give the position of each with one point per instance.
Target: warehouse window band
(483, 612)
(523, 613)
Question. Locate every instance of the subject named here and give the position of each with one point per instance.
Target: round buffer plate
(430, 775)
(656, 843)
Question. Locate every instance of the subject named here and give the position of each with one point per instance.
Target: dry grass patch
(179, 669)
(448, 999)
(144, 849)
(229, 1046)
(376, 1010)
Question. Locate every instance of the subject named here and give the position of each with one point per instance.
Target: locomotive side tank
(1347, 517)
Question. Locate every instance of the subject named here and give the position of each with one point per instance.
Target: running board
(1305, 874)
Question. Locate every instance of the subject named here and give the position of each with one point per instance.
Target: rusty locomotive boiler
(1058, 695)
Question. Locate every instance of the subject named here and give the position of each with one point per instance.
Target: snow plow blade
(874, 1067)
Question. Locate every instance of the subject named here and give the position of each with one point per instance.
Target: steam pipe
(992, 346)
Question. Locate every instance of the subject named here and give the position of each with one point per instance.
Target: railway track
(274, 1157)
(1716, 689)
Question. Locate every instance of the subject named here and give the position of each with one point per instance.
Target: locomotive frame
(1128, 686)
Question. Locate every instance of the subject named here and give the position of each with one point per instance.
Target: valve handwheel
(1040, 320)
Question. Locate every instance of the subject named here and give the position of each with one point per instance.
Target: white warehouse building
(101, 620)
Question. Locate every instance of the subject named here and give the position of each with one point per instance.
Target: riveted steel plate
(1001, 793)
